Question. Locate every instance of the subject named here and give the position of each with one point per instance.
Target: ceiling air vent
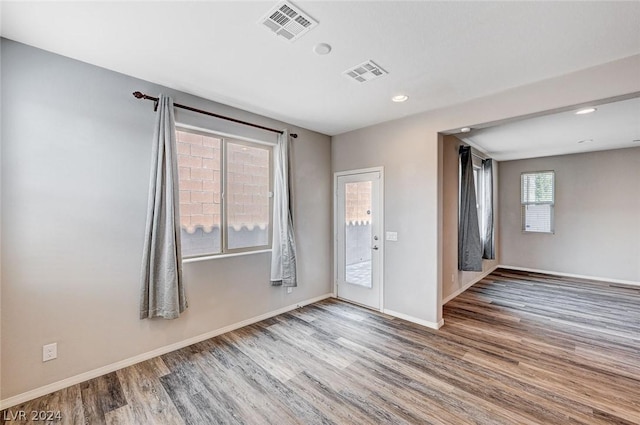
(365, 72)
(288, 21)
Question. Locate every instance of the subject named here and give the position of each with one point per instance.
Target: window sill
(530, 232)
(217, 256)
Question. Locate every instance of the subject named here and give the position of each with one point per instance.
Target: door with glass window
(358, 237)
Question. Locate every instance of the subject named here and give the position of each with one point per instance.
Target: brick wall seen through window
(205, 205)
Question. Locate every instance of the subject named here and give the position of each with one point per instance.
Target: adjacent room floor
(516, 348)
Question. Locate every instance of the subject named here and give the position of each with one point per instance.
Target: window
(225, 194)
(537, 199)
(478, 179)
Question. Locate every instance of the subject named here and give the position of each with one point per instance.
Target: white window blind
(537, 197)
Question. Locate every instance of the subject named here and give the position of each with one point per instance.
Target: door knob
(375, 247)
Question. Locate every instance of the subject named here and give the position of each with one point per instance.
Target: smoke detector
(288, 21)
(366, 71)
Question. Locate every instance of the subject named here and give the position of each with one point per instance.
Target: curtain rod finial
(294, 135)
(138, 95)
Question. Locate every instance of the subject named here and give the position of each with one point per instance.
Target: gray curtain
(488, 249)
(283, 250)
(162, 292)
(469, 244)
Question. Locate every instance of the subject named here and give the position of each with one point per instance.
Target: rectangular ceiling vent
(366, 71)
(288, 21)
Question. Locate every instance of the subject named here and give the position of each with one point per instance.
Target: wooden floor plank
(146, 395)
(517, 348)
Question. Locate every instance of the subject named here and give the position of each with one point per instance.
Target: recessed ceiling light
(586, 111)
(400, 98)
(322, 49)
(465, 129)
(586, 141)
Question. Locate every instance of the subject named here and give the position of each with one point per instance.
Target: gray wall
(454, 280)
(76, 147)
(597, 210)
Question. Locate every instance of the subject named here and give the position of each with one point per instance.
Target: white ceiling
(438, 53)
(613, 126)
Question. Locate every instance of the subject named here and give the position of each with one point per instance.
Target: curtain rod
(479, 156)
(139, 95)
(473, 153)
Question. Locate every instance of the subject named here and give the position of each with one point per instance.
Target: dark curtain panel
(469, 244)
(488, 251)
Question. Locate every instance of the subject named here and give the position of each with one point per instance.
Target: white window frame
(225, 138)
(524, 204)
(478, 180)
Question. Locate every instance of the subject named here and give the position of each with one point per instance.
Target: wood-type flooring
(516, 348)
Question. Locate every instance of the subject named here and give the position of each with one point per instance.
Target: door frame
(382, 228)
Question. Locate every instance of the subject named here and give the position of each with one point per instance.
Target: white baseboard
(432, 325)
(577, 276)
(67, 382)
(469, 285)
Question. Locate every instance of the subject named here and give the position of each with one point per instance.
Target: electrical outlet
(49, 352)
(289, 290)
